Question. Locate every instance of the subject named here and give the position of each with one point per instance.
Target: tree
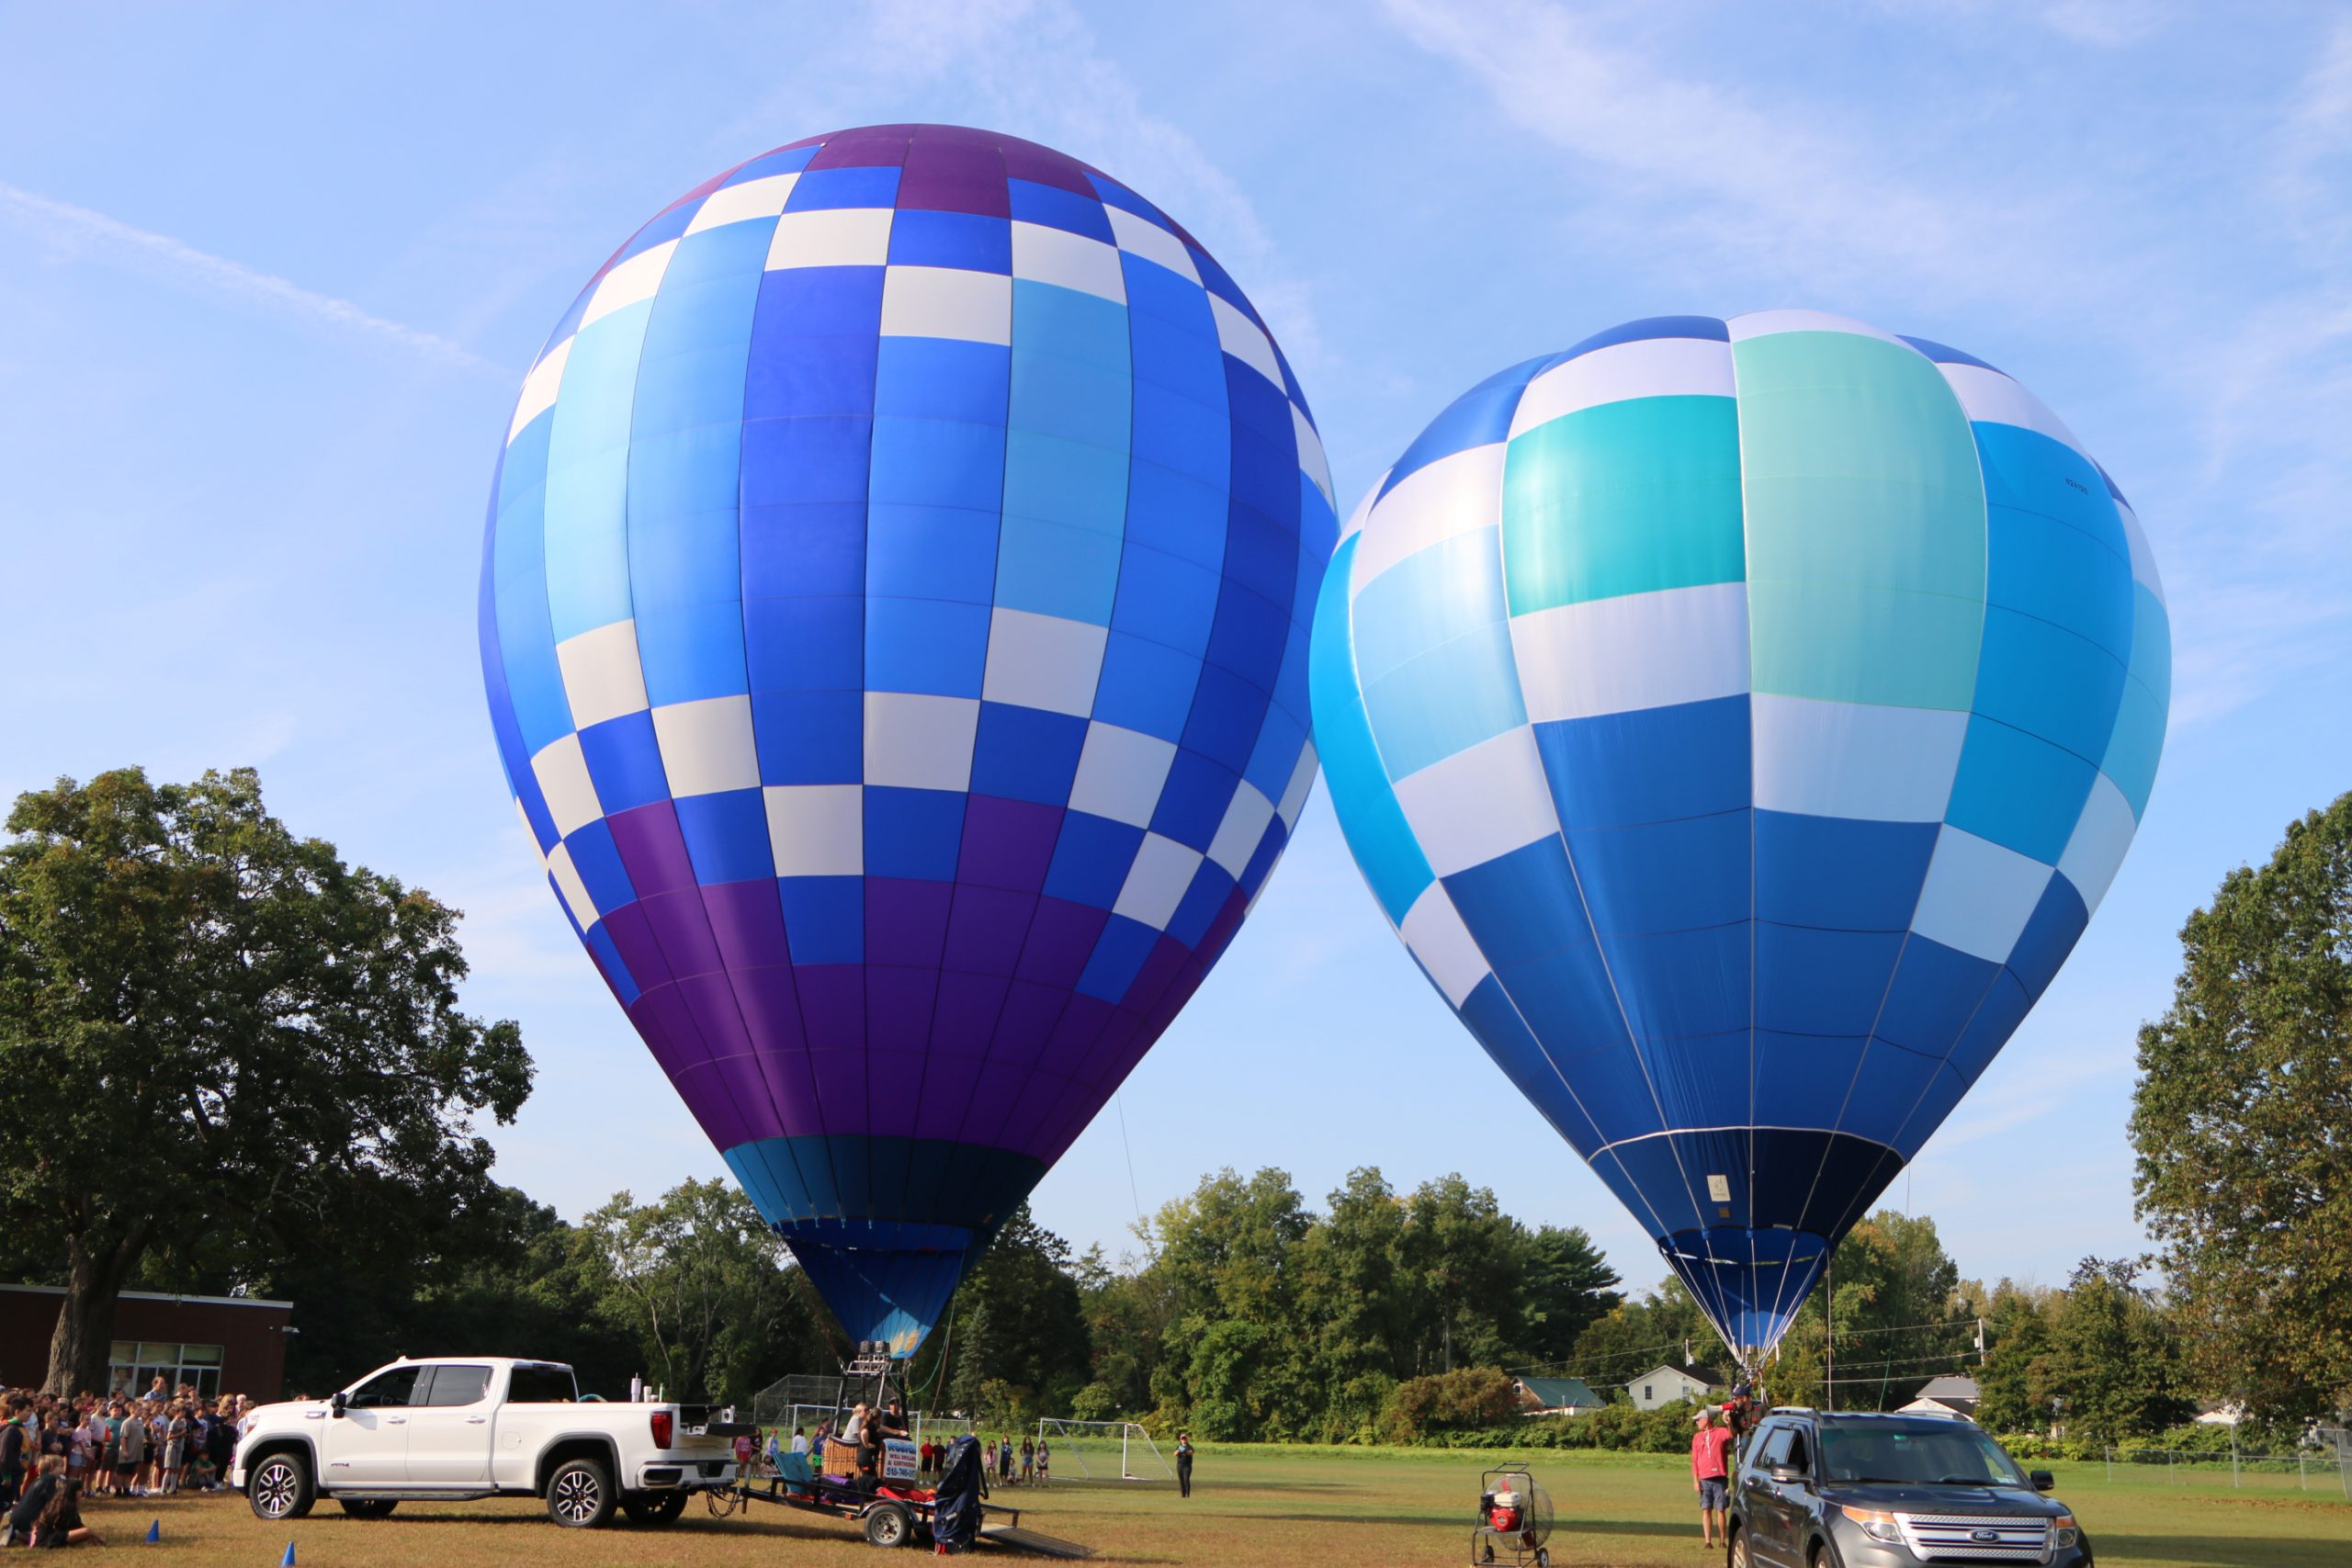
(501, 1277)
(1234, 1357)
(1018, 1322)
(2017, 1322)
(210, 1026)
(2113, 1357)
(700, 1281)
(1568, 1287)
(2243, 1124)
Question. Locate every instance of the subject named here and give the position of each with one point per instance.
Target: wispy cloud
(1791, 192)
(1821, 192)
(79, 229)
(1034, 68)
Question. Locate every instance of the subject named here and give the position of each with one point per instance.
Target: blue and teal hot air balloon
(895, 620)
(1738, 721)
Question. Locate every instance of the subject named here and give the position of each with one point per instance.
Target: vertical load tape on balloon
(895, 613)
(1738, 721)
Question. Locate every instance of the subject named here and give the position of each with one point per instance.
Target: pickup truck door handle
(395, 1420)
(476, 1420)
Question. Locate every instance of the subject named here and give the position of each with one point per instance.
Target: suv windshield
(1920, 1452)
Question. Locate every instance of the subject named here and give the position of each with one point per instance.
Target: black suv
(1818, 1490)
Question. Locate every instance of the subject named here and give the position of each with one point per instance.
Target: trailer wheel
(654, 1507)
(887, 1524)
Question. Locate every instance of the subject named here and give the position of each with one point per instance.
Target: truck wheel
(370, 1507)
(654, 1507)
(281, 1488)
(580, 1495)
(887, 1524)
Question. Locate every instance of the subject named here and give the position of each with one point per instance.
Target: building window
(1646, 1393)
(135, 1364)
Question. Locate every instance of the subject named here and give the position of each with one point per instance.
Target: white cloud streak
(79, 229)
(1823, 194)
(1034, 69)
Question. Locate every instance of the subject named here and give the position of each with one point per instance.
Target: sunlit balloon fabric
(895, 617)
(1739, 720)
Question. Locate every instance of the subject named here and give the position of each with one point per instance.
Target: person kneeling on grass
(60, 1522)
(1707, 1446)
(49, 1513)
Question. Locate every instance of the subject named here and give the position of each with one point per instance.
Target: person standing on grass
(14, 1452)
(1707, 1477)
(1045, 1462)
(130, 1454)
(176, 1429)
(1184, 1464)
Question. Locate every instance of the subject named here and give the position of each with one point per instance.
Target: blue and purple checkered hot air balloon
(895, 619)
(1739, 720)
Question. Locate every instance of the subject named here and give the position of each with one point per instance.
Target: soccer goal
(1102, 1451)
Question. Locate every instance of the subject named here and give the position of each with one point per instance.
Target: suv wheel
(1737, 1556)
(281, 1488)
(580, 1495)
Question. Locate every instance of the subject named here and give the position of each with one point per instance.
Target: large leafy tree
(212, 1027)
(1569, 1286)
(2113, 1357)
(2243, 1123)
(1018, 1322)
(700, 1281)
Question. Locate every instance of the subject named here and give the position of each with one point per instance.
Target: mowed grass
(1311, 1508)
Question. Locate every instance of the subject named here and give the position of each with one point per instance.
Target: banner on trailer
(898, 1460)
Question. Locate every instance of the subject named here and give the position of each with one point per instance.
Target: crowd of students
(55, 1451)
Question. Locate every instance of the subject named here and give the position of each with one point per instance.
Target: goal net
(1102, 1451)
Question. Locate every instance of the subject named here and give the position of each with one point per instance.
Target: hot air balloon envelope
(895, 616)
(1739, 720)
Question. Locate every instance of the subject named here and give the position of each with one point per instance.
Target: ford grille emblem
(1984, 1535)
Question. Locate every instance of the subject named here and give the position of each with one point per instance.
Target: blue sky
(269, 278)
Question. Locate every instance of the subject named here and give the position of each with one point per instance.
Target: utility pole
(1829, 1335)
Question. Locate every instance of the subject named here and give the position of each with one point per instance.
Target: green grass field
(1308, 1507)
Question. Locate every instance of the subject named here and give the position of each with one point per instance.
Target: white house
(1945, 1396)
(1670, 1384)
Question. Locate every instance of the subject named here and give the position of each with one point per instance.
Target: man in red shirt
(1707, 1446)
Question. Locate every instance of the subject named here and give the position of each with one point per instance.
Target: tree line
(237, 1064)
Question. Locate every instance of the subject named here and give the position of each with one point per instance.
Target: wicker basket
(841, 1459)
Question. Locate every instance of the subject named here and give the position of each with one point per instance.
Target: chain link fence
(2323, 1466)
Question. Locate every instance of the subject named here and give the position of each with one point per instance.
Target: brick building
(221, 1344)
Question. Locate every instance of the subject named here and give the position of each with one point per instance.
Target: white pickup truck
(463, 1428)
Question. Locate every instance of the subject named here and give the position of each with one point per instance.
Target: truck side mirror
(2042, 1480)
(1784, 1474)
(340, 1400)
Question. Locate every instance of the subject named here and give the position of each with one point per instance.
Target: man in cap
(1707, 1446)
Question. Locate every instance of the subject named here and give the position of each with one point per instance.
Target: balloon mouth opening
(1748, 1282)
